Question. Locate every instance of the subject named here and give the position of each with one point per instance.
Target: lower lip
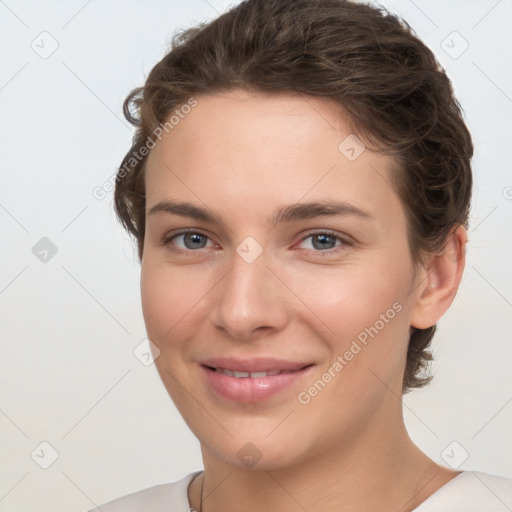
(251, 390)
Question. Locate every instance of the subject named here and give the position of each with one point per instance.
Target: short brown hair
(368, 61)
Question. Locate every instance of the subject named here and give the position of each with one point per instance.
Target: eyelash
(167, 241)
(345, 242)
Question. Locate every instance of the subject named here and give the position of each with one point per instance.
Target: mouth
(250, 387)
(253, 375)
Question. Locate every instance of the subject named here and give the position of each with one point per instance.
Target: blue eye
(190, 241)
(321, 241)
(193, 241)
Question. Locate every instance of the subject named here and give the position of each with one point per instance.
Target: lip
(248, 389)
(257, 364)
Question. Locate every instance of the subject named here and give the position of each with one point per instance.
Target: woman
(299, 187)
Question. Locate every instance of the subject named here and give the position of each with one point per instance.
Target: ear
(439, 281)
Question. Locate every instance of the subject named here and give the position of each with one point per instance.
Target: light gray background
(69, 325)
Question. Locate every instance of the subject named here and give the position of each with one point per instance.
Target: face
(274, 243)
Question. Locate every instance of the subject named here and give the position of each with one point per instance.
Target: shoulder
(471, 491)
(159, 498)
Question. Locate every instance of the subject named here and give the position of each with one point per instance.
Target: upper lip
(257, 364)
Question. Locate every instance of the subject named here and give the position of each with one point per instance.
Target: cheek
(168, 300)
(155, 296)
(168, 296)
(368, 314)
(364, 311)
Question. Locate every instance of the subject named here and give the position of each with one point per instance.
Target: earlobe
(439, 281)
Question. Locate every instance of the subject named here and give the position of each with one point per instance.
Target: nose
(250, 301)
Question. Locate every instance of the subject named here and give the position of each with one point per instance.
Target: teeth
(253, 375)
(256, 375)
(225, 372)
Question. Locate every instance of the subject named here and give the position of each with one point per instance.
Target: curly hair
(368, 61)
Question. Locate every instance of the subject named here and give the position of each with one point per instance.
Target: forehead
(259, 124)
(239, 149)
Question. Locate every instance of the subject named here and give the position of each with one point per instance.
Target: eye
(321, 242)
(189, 241)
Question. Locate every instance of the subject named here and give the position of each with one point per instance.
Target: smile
(254, 386)
(252, 375)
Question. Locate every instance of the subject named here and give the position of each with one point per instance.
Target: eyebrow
(185, 210)
(290, 213)
(302, 211)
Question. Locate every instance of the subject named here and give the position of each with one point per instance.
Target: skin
(244, 156)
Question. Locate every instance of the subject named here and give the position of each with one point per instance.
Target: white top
(471, 491)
